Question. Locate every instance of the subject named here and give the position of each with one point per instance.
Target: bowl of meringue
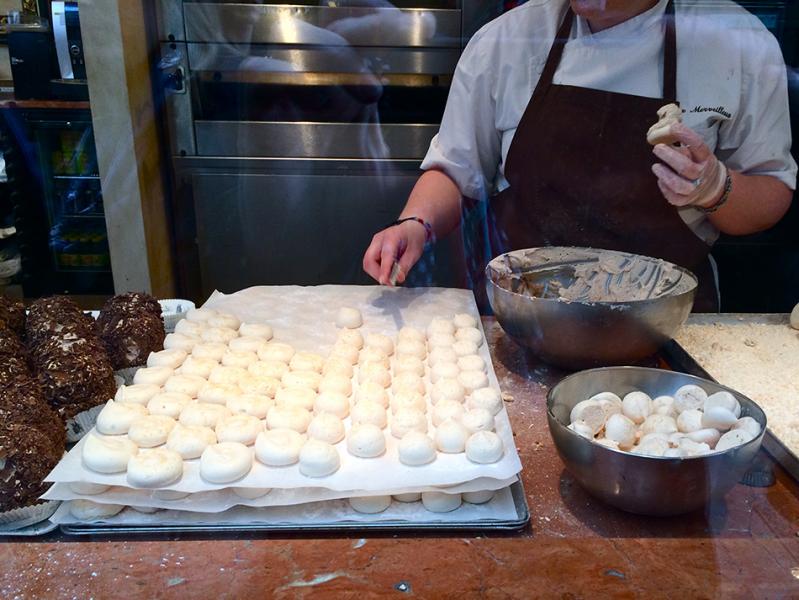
(650, 441)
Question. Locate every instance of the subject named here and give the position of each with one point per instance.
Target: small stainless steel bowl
(645, 485)
(576, 334)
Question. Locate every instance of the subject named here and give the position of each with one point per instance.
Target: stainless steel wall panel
(179, 112)
(169, 20)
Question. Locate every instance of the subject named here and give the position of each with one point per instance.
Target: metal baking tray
(515, 524)
(680, 360)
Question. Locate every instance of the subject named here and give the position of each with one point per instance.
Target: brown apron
(579, 174)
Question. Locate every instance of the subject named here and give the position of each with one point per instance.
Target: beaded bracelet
(724, 197)
(428, 229)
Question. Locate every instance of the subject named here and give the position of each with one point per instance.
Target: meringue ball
(346, 352)
(107, 454)
(689, 420)
(151, 431)
(372, 391)
(370, 412)
(655, 446)
(250, 493)
(478, 419)
(349, 318)
(154, 468)
(318, 459)
(276, 351)
(256, 330)
(209, 350)
(172, 357)
(582, 429)
(439, 502)
(268, 368)
(409, 364)
(200, 315)
(366, 441)
(191, 328)
(446, 410)
(447, 389)
(408, 419)
(227, 375)
(250, 404)
(411, 349)
(442, 355)
(373, 354)
(169, 404)
(658, 424)
(473, 380)
(637, 406)
(153, 375)
(464, 348)
(212, 393)
(190, 441)
(336, 365)
(689, 448)
(664, 405)
(225, 321)
(309, 379)
(279, 447)
(408, 382)
(86, 510)
(374, 372)
(487, 398)
(180, 341)
(284, 417)
(440, 325)
(416, 449)
(307, 361)
(469, 334)
(480, 497)
(261, 386)
(116, 417)
(336, 383)
(350, 338)
(689, 397)
(380, 341)
(440, 340)
(484, 447)
(203, 415)
(445, 370)
(197, 367)
(724, 400)
(334, 403)
(298, 397)
(463, 320)
(705, 436)
(412, 334)
(136, 394)
(409, 497)
(222, 335)
(718, 417)
(620, 429)
(406, 399)
(472, 362)
(239, 358)
(450, 437)
(370, 505)
(243, 429)
(326, 427)
(733, 438)
(749, 424)
(185, 384)
(225, 462)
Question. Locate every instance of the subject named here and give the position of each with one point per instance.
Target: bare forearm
(756, 203)
(436, 199)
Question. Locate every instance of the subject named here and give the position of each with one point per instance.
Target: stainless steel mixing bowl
(577, 334)
(645, 484)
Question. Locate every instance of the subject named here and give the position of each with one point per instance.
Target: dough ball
(153, 375)
(239, 428)
(480, 497)
(366, 440)
(724, 400)
(478, 419)
(116, 417)
(225, 462)
(260, 386)
(370, 505)
(349, 318)
(172, 357)
(440, 340)
(213, 393)
(620, 429)
(380, 341)
(373, 354)
(349, 337)
(637, 406)
(442, 355)
(445, 370)
(184, 384)
(227, 375)
(277, 351)
(209, 350)
(439, 502)
(154, 468)
(473, 380)
(336, 383)
(225, 321)
(197, 367)
(181, 341)
(240, 358)
(336, 365)
(191, 328)
(463, 348)
(469, 334)
(372, 391)
(200, 414)
(409, 497)
(136, 394)
(256, 330)
(107, 454)
(370, 412)
(250, 404)
(416, 449)
(408, 419)
(332, 402)
(190, 441)
(309, 379)
(410, 382)
(268, 368)
(411, 349)
(345, 352)
(689, 420)
(689, 397)
(451, 436)
(374, 372)
(487, 398)
(447, 389)
(408, 399)
(222, 335)
(279, 447)
(445, 410)
(409, 364)
(284, 417)
(307, 361)
(484, 447)
(250, 493)
(296, 397)
(318, 459)
(151, 431)
(86, 510)
(412, 334)
(472, 362)
(200, 315)
(169, 404)
(326, 427)
(440, 325)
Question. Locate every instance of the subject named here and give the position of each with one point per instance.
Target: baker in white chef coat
(545, 131)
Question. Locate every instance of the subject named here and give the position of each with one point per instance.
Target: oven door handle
(173, 77)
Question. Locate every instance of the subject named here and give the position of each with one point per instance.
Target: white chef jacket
(731, 80)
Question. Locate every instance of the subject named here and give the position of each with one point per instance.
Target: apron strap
(670, 56)
(555, 53)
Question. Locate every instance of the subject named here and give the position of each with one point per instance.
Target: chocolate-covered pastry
(131, 327)
(27, 455)
(55, 316)
(12, 313)
(22, 402)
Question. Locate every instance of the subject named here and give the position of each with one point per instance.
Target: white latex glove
(690, 175)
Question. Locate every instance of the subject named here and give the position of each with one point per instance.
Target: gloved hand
(690, 175)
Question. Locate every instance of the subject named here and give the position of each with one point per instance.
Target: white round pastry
(350, 338)
(366, 441)
(381, 341)
(705, 436)
(307, 361)
(250, 404)
(256, 330)
(326, 427)
(107, 454)
(197, 367)
(408, 497)
(472, 362)
(200, 414)
(137, 393)
(411, 333)
(583, 429)
(372, 391)
(86, 510)
(278, 447)
(151, 431)
(296, 397)
(286, 417)
(408, 382)
(169, 403)
(749, 424)
(346, 352)
(200, 315)
(147, 510)
(478, 419)
(217, 393)
(637, 406)
(154, 468)
(447, 388)
(171, 357)
(405, 399)
(416, 449)
(239, 428)
(370, 412)
(621, 429)
(86, 488)
(115, 417)
(192, 328)
(225, 321)
(268, 368)
(445, 370)
(664, 405)
(658, 424)
(687, 448)
(170, 495)
(411, 349)
(480, 497)
(239, 358)
(334, 403)
(451, 436)
(688, 397)
(439, 502)
(184, 384)
(180, 341)
(463, 320)
(225, 462)
(463, 348)
(222, 335)
(250, 493)
(373, 354)
(336, 365)
(441, 354)
(153, 375)
(440, 340)
(370, 505)
(484, 447)
(473, 380)
(261, 386)
(190, 441)
(409, 364)
(440, 325)
(318, 459)
(228, 375)
(724, 400)
(718, 417)
(488, 398)
(445, 410)
(336, 383)
(469, 334)
(733, 438)
(589, 413)
(309, 379)
(689, 420)
(277, 351)
(210, 350)
(349, 318)
(408, 419)
(374, 372)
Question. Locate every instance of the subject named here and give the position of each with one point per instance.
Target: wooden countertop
(746, 546)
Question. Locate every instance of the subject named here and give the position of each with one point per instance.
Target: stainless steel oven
(296, 132)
